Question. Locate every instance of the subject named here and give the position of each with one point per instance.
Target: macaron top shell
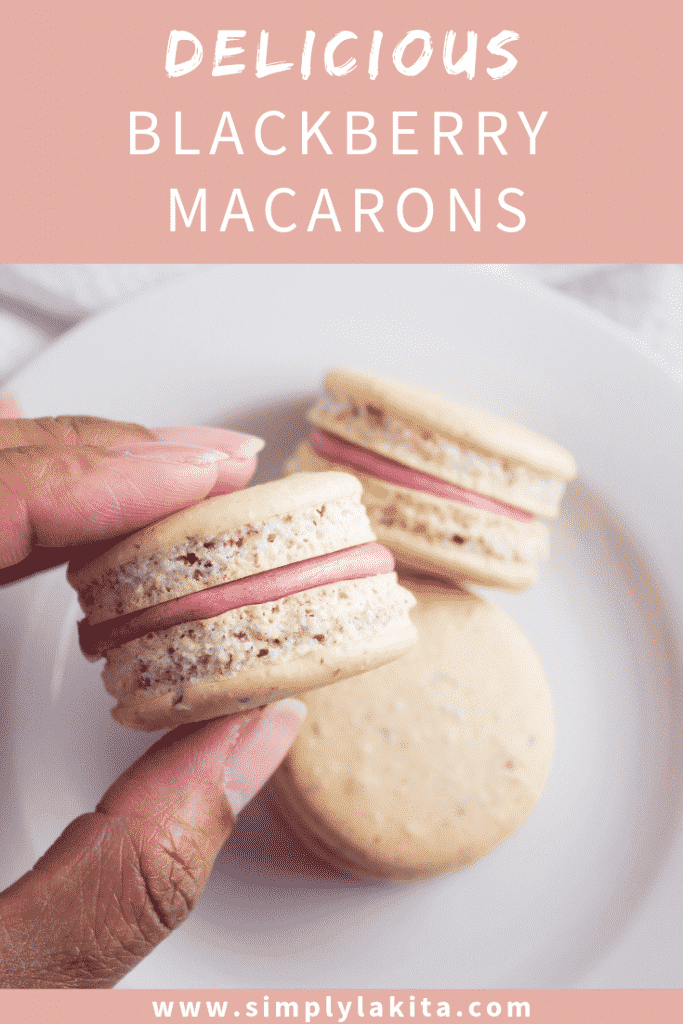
(419, 411)
(425, 765)
(223, 539)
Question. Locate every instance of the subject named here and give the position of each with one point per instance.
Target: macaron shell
(221, 514)
(464, 425)
(414, 554)
(418, 552)
(210, 698)
(426, 765)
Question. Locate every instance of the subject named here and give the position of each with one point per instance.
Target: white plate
(588, 892)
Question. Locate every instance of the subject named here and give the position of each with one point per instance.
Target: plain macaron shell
(426, 765)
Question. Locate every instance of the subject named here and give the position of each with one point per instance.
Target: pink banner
(544, 1006)
(466, 133)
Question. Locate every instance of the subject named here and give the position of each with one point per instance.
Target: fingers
(9, 410)
(230, 475)
(66, 495)
(119, 880)
(76, 480)
(234, 473)
(73, 430)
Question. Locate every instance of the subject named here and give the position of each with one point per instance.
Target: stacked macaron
(427, 764)
(453, 491)
(241, 600)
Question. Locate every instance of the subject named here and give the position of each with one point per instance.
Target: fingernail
(233, 442)
(252, 446)
(170, 453)
(9, 409)
(255, 759)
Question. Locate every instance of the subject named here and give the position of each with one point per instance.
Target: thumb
(66, 495)
(119, 880)
(73, 481)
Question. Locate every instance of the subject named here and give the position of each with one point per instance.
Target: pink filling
(367, 462)
(349, 564)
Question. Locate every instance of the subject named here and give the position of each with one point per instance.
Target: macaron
(424, 766)
(453, 491)
(241, 600)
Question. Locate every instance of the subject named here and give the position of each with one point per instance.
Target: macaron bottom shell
(323, 842)
(253, 655)
(424, 766)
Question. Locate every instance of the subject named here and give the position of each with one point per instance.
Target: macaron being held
(453, 491)
(425, 765)
(242, 600)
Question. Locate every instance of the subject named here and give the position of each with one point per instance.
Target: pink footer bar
(343, 1006)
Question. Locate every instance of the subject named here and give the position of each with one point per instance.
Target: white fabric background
(39, 302)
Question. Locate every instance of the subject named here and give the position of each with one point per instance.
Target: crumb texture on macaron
(457, 443)
(439, 521)
(275, 634)
(198, 562)
(242, 599)
(443, 538)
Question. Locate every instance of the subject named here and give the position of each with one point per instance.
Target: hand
(120, 879)
(70, 482)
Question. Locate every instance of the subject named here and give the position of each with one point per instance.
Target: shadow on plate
(282, 425)
(264, 847)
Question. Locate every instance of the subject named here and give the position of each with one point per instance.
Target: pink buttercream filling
(351, 455)
(272, 585)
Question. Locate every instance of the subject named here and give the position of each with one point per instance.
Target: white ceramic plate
(588, 892)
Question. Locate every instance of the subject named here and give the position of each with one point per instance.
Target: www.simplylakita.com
(341, 1011)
